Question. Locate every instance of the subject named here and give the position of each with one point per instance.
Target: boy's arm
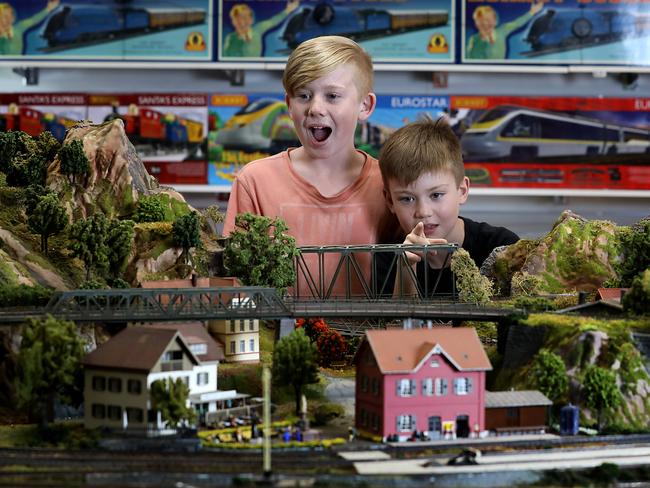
(241, 200)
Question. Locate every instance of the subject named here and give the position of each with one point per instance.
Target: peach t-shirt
(272, 188)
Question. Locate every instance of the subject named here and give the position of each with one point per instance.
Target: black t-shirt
(480, 239)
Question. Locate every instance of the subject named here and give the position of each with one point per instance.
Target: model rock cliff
(577, 254)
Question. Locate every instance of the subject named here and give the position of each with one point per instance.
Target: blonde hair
(320, 56)
(239, 9)
(425, 146)
(483, 10)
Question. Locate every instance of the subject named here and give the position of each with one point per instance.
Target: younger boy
(327, 191)
(424, 186)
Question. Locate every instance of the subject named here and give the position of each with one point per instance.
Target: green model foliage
(48, 367)
(48, 218)
(169, 397)
(119, 240)
(73, 160)
(601, 392)
(212, 216)
(24, 295)
(548, 375)
(88, 242)
(472, 285)
(295, 363)
(32, 195)
(260, 253)
(8, 150)
(186, 232)
(635, 244)
(637, 299)
(24, 159)
(149, 209)
(47, 145)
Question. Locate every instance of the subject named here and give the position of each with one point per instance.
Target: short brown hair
(320, 56)
(421, 147)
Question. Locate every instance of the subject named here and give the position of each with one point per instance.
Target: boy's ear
(463, 190)
(389, 200)
(368, 104)
(287, 100)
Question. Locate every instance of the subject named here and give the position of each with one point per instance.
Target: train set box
(168, 130)
(110, 29)
(34, 113)
(555, 142)
(399, 30)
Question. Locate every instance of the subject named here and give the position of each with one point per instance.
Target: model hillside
(87, 212)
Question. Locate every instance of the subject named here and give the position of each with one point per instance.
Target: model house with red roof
(241, 337)
(119, 373)
(424, 380)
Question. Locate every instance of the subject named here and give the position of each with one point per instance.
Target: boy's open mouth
(320, 133)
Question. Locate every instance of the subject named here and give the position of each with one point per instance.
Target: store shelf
(496, 192)
(278, 66)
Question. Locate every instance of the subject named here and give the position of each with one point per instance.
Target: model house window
(232, 347)
(440, 386)
(405, 423)
(462, 386)
(201, 348)
(114, 412)
(115, 385)
(375, 386)
(364, 417)
(434, 363)
(251, 325)
(172, 361)
(134, 386)
(134, 415)
(435, 424)
(375, 421)
(405, 387)
(242, 346)
(242, 325)
(98, 411)
(251, 345)
(232, 326)
(427, 386)
(202, 379)
(99, 383)
(186, 380)
(364, 383)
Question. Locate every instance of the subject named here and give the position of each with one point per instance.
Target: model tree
(635, 242)
(549, 374)
(212, 216)
(313, 327)
(294, 363)
(331, 347)
(637, 299)
(149, 209)
(169, 397)
(74, 160)
(186, 233)
(472, 285)
(600, 390)
(48, 367)
(118, 241)
(88, 242)
(48, 218)
(260, 252)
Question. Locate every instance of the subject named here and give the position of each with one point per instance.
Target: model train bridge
(367, 300)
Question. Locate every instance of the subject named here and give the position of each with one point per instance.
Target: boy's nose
(422, 210)
(316, 106)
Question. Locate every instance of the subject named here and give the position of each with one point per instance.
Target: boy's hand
(417, 236)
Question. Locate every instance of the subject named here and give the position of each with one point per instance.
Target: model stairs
(642, 341)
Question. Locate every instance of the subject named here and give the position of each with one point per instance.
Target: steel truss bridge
(230, 303)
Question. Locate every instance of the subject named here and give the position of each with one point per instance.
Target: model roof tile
(404, 350)
(135, 348)
(523, 398)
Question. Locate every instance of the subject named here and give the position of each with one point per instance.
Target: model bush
(331, 347)
(313, 327)
(187, 233)
(24, 159)
(24, 295)
(600, 392)
(524, 284)
(48, 218)
(295, 363)
(635, 245)
(637, 299)
(169, 397)
(119, 241)
(48, 367)
(149, 209)
(472, 285)
(88, 243)
(326, 412)
(548, 375)
(260, 252)
(212, 216)
(74, 161)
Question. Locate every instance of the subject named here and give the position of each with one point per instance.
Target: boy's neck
(329, 176)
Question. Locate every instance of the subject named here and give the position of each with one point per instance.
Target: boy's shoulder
(481, 238)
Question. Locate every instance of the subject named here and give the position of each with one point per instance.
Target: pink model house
(425, 380)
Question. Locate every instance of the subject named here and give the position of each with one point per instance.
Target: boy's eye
(302, 96)
(406, 199)
(436, 195)
(333, 96)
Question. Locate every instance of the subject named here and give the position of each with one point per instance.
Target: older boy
(424, 186)
(327, 191)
